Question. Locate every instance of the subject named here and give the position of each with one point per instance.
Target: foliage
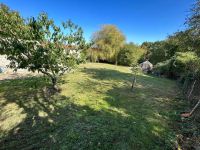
(136, 69)
(41, 46)
(108, 40)
(130, 54)
(156, 51)
(160, 51)
(193, 22)
(177, 56)
(183, 64)
(12, 24)
(186, 63)
(194, 19)
(163, 68)
(182, 41)
(93, 54)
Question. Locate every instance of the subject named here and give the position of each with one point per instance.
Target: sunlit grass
(96, 109)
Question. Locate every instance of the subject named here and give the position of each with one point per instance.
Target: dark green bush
(163, 67)
(183, 64)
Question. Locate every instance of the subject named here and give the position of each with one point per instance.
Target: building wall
(3, 61)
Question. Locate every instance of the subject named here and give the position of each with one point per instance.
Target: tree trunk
(192, 111)
(54, 82)
(116, 60)
(133, 82)
(191, 89)
(195, 107)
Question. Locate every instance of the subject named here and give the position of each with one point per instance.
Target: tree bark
(133, 82)
(191, 89)
(192, 111)
(195, 107)
(54, 83)
(116, 60)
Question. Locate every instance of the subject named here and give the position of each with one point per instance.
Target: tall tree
(109, 39)
(194, 19)
(193, 22)
(38, 44)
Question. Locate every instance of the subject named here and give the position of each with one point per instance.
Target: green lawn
(96, 109)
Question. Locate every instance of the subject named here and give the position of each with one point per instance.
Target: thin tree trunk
(54, 82)
(133, 82)
(191, 89)
(195, 107)
(116, 60)
(192, 111)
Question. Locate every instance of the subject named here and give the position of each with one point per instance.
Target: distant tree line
(109, 45)
(175, 57)
(179, 55)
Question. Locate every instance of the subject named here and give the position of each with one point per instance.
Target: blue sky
(139, 20)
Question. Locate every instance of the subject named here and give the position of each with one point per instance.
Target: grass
(96, 109)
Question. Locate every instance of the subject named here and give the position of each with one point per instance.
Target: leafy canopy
(130, 54)
(37, 44)
(109, 39)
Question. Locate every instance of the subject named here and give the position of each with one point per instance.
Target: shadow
(106, 74)
(154, 104)
(148, 83)
(30, 121)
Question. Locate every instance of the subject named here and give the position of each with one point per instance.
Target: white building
(3, 61)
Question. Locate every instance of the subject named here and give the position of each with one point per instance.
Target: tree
(12, 25)
(136, 69)
(181, 41)
(109, 39)
(130, 54)
(41, 46)
(156, 51)
(194, 19)
(193, 22)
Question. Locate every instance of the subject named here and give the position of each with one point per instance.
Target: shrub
(130, 54)
(163, 67)
(186, 62)
(183, 64)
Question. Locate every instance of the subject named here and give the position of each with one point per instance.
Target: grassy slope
(95, 110)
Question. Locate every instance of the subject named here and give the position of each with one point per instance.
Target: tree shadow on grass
(107, 74)
(150, 85)
(58, 123)
(154, 103)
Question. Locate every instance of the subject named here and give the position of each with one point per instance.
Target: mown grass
(96, 109)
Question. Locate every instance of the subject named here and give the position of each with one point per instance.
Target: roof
(146, 66)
